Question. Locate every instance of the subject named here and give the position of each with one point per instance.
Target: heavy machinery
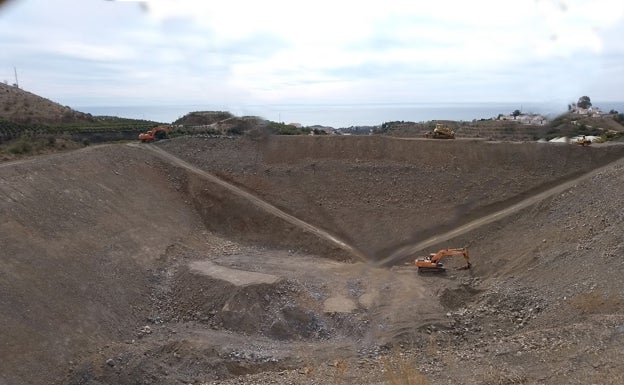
(441, 132)
(432, 262)
(583, 141)
(156, 133)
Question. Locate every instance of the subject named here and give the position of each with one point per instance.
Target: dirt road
(410, 250)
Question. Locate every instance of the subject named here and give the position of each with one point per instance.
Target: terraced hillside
(124, 265)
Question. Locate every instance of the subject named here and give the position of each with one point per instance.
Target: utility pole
(16, 82)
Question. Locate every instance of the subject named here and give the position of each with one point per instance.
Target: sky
(234, 52)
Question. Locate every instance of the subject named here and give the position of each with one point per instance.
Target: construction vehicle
(432, 262)
(583, 141)
(156, 133)
(441, 132)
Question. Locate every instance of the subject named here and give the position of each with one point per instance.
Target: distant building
(535, 119)
(593, 112)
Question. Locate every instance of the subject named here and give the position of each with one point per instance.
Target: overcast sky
(232, 52)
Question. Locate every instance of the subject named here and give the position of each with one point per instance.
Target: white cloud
(277, 50)
(85, 51)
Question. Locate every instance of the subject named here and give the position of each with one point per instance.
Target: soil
(266, 260)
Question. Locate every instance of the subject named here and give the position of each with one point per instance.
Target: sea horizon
(345, 115)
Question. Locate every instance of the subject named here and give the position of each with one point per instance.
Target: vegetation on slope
(608, 127)
(202, 118)
(30, 124)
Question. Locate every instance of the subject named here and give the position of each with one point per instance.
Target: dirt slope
(123, 266)
(81, 233)
(412, 249)
(78, 233)
(251, 199)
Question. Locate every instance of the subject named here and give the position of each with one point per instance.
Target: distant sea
(345, 115)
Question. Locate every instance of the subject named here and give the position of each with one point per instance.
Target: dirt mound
(280, 310)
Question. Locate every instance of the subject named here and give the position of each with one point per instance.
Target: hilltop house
(593, 112)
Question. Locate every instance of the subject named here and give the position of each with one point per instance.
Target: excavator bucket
(466, 267)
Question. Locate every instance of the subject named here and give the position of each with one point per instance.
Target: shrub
(21, 146)
(236, 130)
(286, 129)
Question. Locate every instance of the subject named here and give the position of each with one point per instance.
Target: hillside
(32, 125)
(21, 106)
(202, 118)
(609, 126)
(220, 261)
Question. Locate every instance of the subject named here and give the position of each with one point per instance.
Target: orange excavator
(156, 133)
(432, 262)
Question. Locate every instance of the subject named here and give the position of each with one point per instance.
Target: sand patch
(233, 276)
(339, 305)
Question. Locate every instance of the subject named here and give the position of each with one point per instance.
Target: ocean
(346, 115)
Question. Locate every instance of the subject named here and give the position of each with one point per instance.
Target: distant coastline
(339, 116)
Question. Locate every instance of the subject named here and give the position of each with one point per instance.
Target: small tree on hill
(516, 113)
(584, 102)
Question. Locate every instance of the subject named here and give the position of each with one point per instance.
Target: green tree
(516, 113)
(584, 102)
